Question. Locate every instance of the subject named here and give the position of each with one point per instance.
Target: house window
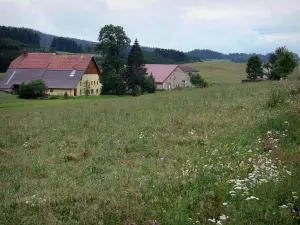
(183, 81)
(94, 82)
(96, 91)
(91, 82)
(80, 92)
(97, 82)
(51, 90)
(92, 91)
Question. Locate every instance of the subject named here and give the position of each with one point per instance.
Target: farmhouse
(189, 69)
(168, 76)
(61, 73)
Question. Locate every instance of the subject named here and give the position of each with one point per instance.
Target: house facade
(168, 76)
(61, 73)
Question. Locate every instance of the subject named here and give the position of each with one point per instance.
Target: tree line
(280, 64)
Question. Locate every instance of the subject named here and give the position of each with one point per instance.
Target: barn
(168, 76)
(61, 73)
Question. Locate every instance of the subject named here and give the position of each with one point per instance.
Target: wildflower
(294, 193)
(223, 217)
(162, 159)
(145, 179)
(219, 222)
(295, 197)
(251, 197)
(154, 222)
(225, 204)
(289, 173)
(190, 219)
(283, 206)
(250, 151)
(198, 221)
(212, 220)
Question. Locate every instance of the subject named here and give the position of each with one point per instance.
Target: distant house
(61, 73)
(168, 76)
(189, 69)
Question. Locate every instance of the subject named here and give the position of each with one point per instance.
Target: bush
(198, 81)
(148, 84)
(33, 90)
(66, 96)
(137, 91)
(54, 97)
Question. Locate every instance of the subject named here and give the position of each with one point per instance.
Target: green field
(225, 72)
(178, 157)
(1, 75)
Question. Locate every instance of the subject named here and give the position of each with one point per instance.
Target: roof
(58, 71)
(17, 76)
(67, 79)
(32, 61)
(160, 71)
(70, 62)
(189, 69)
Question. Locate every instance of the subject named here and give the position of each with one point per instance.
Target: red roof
(32, 61)
(70, 62)
(51, 61)
(160, 71)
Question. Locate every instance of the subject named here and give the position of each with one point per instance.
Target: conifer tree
(135, 70)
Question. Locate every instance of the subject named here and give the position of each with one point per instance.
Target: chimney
(25, 53)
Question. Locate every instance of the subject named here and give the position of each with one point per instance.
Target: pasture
(228, 154)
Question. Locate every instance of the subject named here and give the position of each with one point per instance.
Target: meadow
(228, 154)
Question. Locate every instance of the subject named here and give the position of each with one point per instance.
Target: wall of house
(177, 79)
(159, 86)
(60, 92)
(95, 84)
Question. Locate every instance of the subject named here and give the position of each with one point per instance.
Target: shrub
(148, 84)
(198, 81)
(33, 90)
(66, 96)
(137, 91)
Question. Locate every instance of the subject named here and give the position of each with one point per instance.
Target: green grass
(1, 75)
(173, 157)
(221, 72)
(227, 72)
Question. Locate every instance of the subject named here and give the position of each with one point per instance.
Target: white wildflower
(294, 193)
(295, 197)
(225, 204)
(219, 222)
(289, 173)
(223, 217)
(212, 220)
(283, 206)
(251, 197)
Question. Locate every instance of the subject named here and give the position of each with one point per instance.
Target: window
(80, 91)
(91, 82)
(92, 91)
(96, 91)
(72, 73)
(183, 81)
(51, 90)
(97, 82)
(94, 82)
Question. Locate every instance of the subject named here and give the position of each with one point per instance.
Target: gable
(92, 68)
(160, 72)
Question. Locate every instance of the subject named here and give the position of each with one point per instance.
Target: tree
(86, 88)
(113, 41)
(282, 63)
(33, 89)
(135, 69)
(197, 80)
(254, 67)
(267, 69)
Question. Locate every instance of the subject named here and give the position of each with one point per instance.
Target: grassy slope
(1, 75)
(168, 156)
(226, 72)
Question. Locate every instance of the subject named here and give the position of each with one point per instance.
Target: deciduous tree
(254, 67)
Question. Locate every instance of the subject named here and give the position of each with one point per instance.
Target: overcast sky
(222, 25)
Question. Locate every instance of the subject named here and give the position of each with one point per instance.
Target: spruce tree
(135, 70)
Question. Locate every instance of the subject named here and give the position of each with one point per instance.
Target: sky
(227, 26)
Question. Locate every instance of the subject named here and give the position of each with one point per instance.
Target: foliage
(135, 68)
(176, 56)
(197, 80)
(32, 90)
(66, 96)
(254, 67)
(86, 88)
(136, 91)
(148, 84)
(267, 69)
(113, 42)
(282, 63)
(65, 45)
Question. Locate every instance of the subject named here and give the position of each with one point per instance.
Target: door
(75, 91)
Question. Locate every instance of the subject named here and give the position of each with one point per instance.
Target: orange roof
(51, 61)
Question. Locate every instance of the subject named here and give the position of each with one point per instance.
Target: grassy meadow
(228, 154)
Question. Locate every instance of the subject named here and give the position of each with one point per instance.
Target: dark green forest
(13, 40)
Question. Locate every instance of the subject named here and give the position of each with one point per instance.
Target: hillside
(206, 54)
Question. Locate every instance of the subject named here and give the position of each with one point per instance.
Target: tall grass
(180, 157)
